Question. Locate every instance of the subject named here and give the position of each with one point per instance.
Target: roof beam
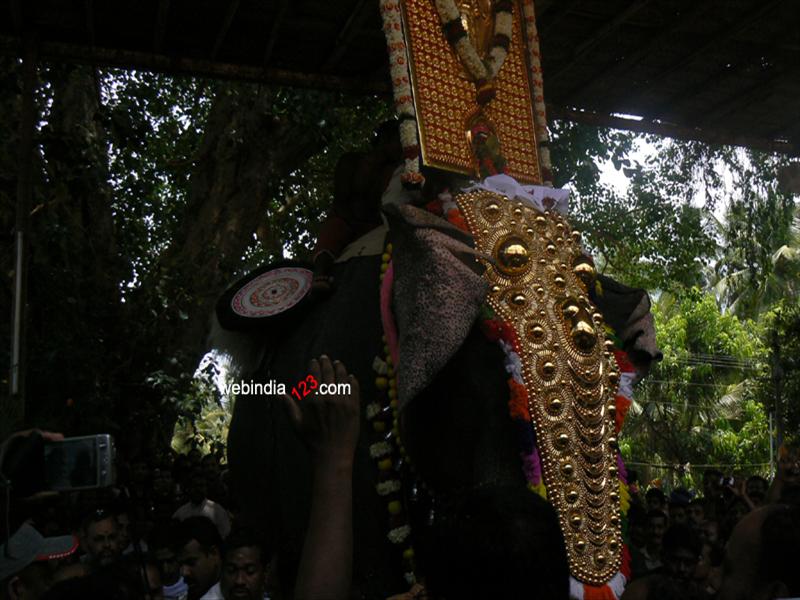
(747, 96)
(132, 59)
(707, 136)
(607, 29)
(634, 58)
(160, 31)
(273, 32)
(743, 23)
(233, 7)
(346, 35)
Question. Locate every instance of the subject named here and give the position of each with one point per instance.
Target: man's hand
(329, 423)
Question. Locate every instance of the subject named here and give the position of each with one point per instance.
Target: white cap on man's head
(28, 545)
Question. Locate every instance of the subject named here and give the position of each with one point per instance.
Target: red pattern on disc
(272, 293)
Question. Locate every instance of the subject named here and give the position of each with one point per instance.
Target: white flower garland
(380, 449)
(401, 84)
(373, 409)
(398, 535)
(537, 85)
(481, 71)
(388, 487)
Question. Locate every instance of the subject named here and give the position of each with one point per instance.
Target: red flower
(456, 218)
(435, 207)
(492, 329)
(625, 365)
(623, 404)
(518, 402)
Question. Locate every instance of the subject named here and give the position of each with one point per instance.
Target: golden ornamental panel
(444, 98)
(538, 283)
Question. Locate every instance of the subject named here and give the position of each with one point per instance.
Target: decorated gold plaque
(453, 125)
(539, 283)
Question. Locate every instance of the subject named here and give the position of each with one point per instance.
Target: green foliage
(760, 236)
(652, 236)
(700, 404)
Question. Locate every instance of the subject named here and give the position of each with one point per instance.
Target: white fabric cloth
(177, 591)
(215, 593)
(533, 195)
(207, 508)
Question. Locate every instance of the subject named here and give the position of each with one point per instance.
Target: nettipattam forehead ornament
(468, 91)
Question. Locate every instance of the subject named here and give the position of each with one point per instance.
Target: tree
(151, 197)
(700, 405)
(759, 261)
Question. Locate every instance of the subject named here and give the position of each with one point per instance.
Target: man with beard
(244, 568)
(99, 539)
(199, 548)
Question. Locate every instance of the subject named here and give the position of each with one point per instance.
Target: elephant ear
(627, 310)
(438, 293)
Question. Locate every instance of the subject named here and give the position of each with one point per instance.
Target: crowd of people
(169, 528)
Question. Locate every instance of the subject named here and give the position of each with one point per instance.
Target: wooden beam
(131, 59)
(274, 30)
(708, 136)
(346, 35)
(630, 60)
(230, 14)
(160, 31)
(747, 96)
(588, 45)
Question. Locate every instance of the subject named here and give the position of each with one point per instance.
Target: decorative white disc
(272, 293)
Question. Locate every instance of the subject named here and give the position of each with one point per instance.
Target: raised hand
(329, 423)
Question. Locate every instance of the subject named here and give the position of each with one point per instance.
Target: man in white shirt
(200, 506)
(200, 555)
(244, 569)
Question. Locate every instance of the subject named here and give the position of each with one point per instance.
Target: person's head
(210, 467)
(712, 484)
(761, 556)
(196, 487)
(26, 562)
(637, 525)
(709, 532)
(163, 483)
(161, 547)
(100, 538)
(498, 541)
(194, 456)
(123, 517)
(734, 512)
(696, 513)
(680, 552)
(199, 548)
(756, 488)
(386, 141)
(655, 499)
(656, 526)
(678, 514)
(244, 567)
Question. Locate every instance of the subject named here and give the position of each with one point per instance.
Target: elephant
(452, 396)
